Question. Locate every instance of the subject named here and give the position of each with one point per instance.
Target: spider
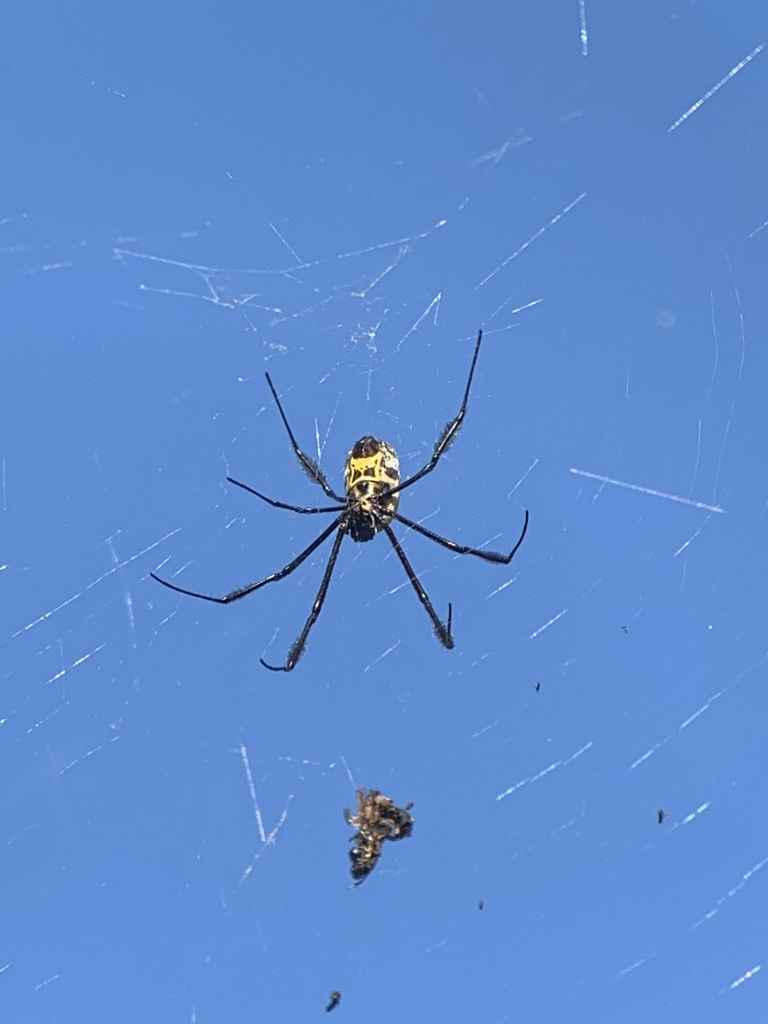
(372, 490)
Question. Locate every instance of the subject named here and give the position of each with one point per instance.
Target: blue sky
(341, 196)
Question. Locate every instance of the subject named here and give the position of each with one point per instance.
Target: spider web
(174, 844)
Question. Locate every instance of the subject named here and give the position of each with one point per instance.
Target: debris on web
(377, 819)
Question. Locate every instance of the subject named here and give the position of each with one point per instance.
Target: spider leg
(297, 648)
(308, 464)
(235, 595)
(282, 504)
(463, 549)
(450, 432)
(443, 632)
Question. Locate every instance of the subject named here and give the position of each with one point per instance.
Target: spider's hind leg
(442, 630)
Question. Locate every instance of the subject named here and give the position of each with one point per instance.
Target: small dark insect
(369, 505)
(480, 904)
(364, 857)
(537, 685)
(333, 1001)
(377, 819)
(661, 815)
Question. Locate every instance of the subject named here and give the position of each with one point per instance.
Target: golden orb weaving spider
(371, 495)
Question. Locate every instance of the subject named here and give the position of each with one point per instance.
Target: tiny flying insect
(333, 1001)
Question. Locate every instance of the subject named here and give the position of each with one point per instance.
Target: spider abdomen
(371, 471)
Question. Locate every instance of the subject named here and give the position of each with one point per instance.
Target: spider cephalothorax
(372, 491)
